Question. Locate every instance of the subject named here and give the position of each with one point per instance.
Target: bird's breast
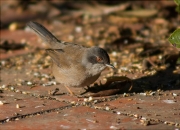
(73, 76)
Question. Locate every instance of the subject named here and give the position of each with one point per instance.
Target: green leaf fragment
(174, 38)
(177, 2)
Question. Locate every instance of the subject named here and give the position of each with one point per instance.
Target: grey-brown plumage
(73, 65)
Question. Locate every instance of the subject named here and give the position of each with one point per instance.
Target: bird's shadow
(163, 79)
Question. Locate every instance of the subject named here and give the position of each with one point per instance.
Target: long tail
(44, 34)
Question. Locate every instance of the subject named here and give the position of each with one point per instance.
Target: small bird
(73, 65)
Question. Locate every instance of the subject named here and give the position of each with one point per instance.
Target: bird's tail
(44, 33)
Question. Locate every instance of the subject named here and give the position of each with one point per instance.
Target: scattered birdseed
(49, 83)
(78, 29)
(17, 106)
(169, 101)
(1, 103)
(143, 94)
(17, 119)
(113, 127)
(145, 122)
(93, 121)
(90, 99)
(118, 113)
(114, 53)
(136, 115)
(23, 92)
(107, 108)
(7, 120)
(174, 94)
(73, 102)
(3, 86)
(152, 93)
(12, 88)
(29, 83)
(85, 99)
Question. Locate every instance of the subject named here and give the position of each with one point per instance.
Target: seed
(29, 83)
(17, 119)
(17, 106)
(24, 92)
(85, 99)
(107, 108)
(73, 102)
(118, 113)
(3, 86)
(90, 99)
(7, 120)
(12, 88)
(1, 103)
(174, 94)
(136, 115)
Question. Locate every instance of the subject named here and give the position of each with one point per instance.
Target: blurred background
(97, 22)
(130, 28)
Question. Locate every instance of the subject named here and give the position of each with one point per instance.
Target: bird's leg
(71, 93)
(53, 92)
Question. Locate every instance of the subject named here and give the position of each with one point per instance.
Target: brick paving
(25, 107)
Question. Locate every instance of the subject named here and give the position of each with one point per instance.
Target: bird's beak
(111, 66)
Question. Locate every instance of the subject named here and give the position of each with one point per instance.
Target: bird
(73, 65)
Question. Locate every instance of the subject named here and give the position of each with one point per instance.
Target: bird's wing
(67, 57)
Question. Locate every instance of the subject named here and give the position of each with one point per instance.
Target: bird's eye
(98, 59)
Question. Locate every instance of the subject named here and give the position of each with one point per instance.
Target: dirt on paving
(135, 36)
